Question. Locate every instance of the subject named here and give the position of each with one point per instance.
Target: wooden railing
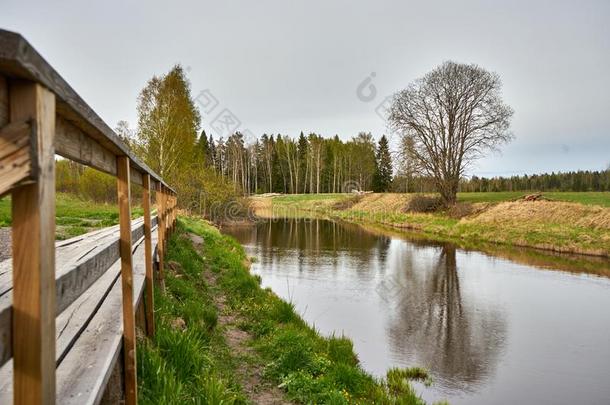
(61, 303)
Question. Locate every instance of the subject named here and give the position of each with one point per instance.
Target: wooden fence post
(173, 212)
(129, 328)
(168, 208)
(168, 219)
(165, 219)
(169, 214)
(161, 235)
(33, 229)
(150, 316)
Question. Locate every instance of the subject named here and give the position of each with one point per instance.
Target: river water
(490, 330)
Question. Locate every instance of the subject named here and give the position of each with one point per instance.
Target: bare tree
(452, 116)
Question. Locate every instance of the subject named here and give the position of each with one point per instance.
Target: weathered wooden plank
(73, 143)
(17, 155)
(84, 351)
(78, 250)
(33, 211)
(149, 303)
(73, 280)
(161, 237)
(129, 325)
(67, 253)
(18, 59)
(6, 328)
(3, 101)
(83, 374)
(81, 261)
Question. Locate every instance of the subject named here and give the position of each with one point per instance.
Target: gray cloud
(290, 66)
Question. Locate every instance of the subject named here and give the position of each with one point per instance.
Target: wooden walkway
(89, 323)
(68, 310)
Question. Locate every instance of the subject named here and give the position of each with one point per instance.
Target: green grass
(75, 216)
(588, 197)
(191, 364)
(309, 368)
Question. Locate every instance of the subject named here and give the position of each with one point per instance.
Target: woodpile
(534, 197)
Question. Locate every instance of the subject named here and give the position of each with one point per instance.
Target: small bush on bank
(424, 203)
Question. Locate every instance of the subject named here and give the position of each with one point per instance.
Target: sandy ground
(5, 243)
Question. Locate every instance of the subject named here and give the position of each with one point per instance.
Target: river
(489, 329)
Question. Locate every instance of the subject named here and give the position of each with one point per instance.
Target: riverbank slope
(221, 338)
(559, 226)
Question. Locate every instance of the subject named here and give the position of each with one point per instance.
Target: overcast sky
(291, 66)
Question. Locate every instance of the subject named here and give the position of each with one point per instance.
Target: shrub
(97, 186)
(424, 203)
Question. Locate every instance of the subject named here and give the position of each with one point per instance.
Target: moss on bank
(193, 364)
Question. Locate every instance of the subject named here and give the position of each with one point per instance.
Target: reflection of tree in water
(321, 241)
(429, 319)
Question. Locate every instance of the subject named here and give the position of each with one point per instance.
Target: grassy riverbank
(75, 216)
(571, 227)
(222, 339)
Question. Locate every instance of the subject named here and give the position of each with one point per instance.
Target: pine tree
(202, 150)
(383, 171)
(302, 149)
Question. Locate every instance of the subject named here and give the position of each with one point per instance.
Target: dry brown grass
(383, 202)
(260, 203)
(548, 212)
(348, 203)
(461, 210)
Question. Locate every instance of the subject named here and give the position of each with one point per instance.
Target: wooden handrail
(40, 116)
(81, 135)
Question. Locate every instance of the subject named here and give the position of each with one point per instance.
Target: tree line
(307, 164)
(568, 181)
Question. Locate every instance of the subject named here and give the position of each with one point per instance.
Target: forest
(211, 173)
(313, 164)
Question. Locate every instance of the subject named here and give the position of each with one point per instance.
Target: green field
(588, 197)
(74, 216)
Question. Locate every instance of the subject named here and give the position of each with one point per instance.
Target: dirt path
(250, 370)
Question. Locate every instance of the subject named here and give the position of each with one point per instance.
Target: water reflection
(460, 344)
(490, 330)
